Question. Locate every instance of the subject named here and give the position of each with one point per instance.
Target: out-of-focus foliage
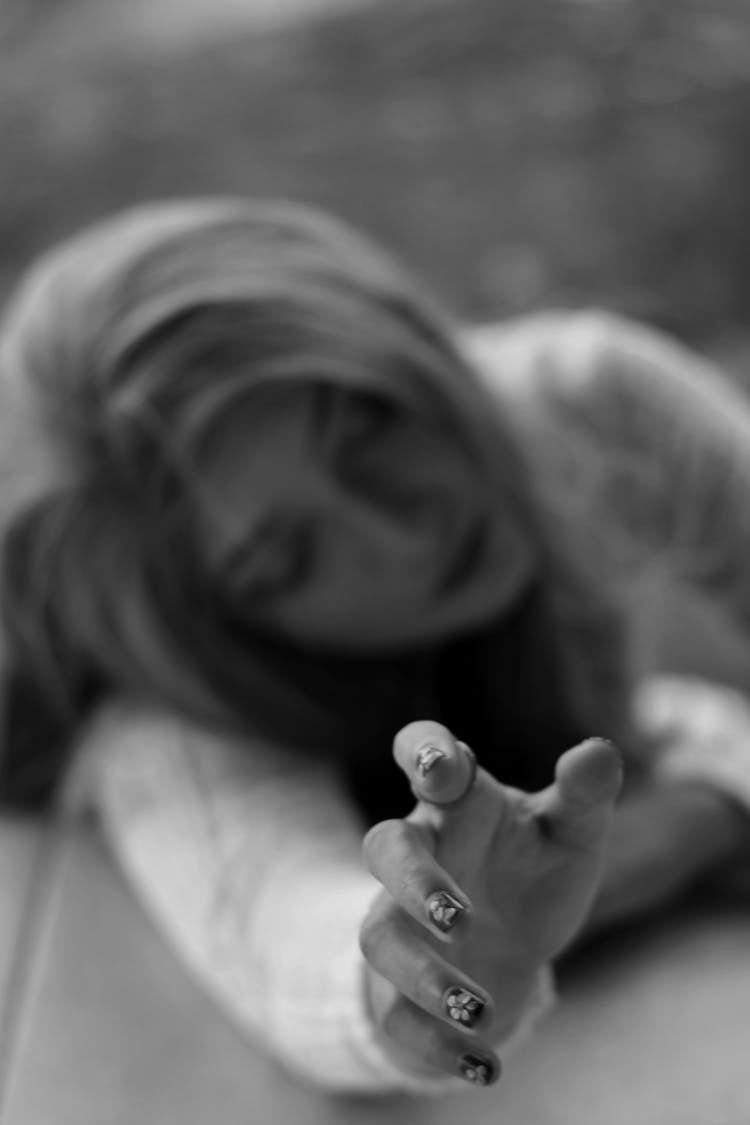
(517, 152)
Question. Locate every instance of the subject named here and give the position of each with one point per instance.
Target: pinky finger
(426, 1040)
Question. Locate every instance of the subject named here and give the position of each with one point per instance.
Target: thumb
(576, 809)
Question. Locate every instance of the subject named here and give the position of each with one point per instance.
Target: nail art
(427, 758)
(445, 911)
(477, 1069)
(462, 1006)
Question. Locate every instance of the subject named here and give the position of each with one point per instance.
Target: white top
(248, 858)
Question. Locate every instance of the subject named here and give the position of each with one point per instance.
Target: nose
(374, 533)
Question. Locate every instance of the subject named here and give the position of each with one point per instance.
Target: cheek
(254, 465)
(509, 534)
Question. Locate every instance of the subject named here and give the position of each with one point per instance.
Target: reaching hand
(482, 885)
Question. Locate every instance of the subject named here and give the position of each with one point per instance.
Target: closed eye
(276, 559)
(356, 427)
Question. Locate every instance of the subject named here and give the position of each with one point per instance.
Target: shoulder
(545, 348)
(594, 373)
(567, 354)
(560, 377)
(602, 410)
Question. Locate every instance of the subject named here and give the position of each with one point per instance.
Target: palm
(529, 865)
(531, 880)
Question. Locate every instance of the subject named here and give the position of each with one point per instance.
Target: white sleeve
(701, 731)
(250, 865)
(631, 440)
(701, 735)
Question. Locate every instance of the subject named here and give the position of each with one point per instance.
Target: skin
(382, 538)
(384, 518)
(526, 868)
(551, 855)
(532, 870)
(664, 839)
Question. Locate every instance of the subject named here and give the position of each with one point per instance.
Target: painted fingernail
(445, 911)
(462, 1006)
(478, 1069)
(427, 758)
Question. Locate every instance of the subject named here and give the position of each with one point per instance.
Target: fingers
(440, 768)
(394, 948)
(456, 798)
(427, 1008)
(453, 793)
(431, 1010)
(423, 1038)
(576, 809)
(396, 853)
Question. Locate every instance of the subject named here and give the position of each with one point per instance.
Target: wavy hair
(125, 349)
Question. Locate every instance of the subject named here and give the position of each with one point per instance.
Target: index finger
(440, 767)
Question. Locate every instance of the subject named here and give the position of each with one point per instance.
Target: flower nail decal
(477, 1069)
(445, 911)
(463, 1007)
(427, 758)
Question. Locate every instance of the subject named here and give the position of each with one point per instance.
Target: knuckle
(401, 1021)
(423, 985)
(375, 933)
(379, 836)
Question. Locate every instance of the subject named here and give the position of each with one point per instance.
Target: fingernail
(463, 1006)
(427, 758)
(445, 911)
(478, 1069)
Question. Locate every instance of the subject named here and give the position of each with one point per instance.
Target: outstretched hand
(482, 885)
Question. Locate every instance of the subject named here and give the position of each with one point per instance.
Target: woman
(262, 508)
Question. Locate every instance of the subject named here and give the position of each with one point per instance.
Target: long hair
(129, 346)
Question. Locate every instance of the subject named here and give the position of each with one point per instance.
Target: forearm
(254, 876)
(689, 817)
(664, 840)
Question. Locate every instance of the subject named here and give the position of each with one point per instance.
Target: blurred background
(517, 153)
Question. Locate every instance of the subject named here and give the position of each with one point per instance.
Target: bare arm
(249, 860)
(639, 455)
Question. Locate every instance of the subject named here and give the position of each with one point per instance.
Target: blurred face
(349, 522)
